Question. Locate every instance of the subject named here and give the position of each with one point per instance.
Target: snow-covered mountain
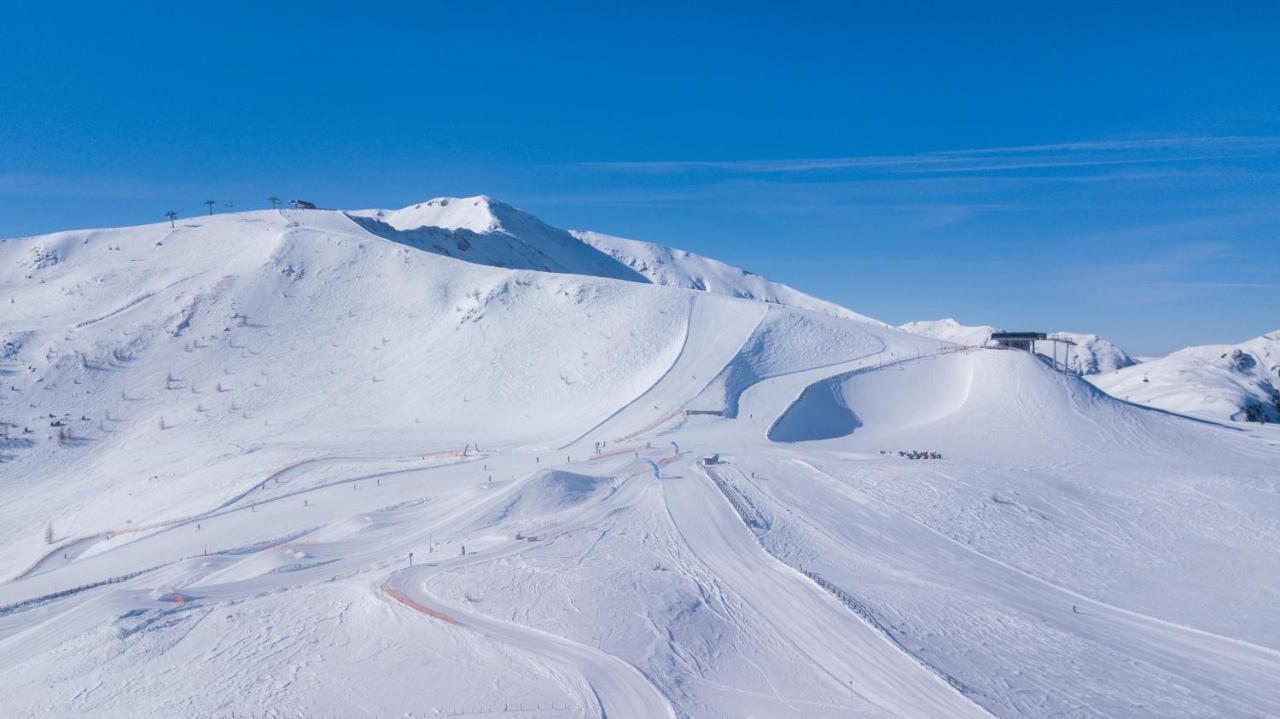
(1238, 382)
(483, 230)
(316, 463)
(1090, 354)
(1093, 355)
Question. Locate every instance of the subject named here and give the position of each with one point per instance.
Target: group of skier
(916, 454)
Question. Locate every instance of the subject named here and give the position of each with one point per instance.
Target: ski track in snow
(625, 581)
(136, 301)
(618, 689)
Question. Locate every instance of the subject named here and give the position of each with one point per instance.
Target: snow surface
(1237, 382)
(313, 463)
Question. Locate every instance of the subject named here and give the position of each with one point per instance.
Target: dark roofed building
(1018, 340)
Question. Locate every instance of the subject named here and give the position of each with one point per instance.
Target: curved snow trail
(448, 515)
(684, 344)
(82, 543)
(704, 349)
(618, 688)
(399, 596)
(763, 402)
(72, 548)
(838, 642)
(136, 301)
(834, 380)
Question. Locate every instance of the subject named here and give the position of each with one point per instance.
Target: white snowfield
(449, 461)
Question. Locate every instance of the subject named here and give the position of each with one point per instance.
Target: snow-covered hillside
(1089, 355)
(1238, 382)
(678, 268)
(449, 460)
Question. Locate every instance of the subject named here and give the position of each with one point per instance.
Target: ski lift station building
(1026, 341)
(1018, 340)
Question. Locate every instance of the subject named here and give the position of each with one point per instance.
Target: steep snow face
(484, 231)
(1237, 382)
(678, 268)
(1090, 355)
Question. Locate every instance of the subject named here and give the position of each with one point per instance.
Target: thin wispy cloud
(989, 159)
(1219, 285)
(1175, 272)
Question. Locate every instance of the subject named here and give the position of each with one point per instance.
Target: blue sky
(1085, 167)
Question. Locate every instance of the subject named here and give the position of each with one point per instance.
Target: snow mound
(549, 492)
(786, 342)
(879, 400)
(993, 398)
(166, 593)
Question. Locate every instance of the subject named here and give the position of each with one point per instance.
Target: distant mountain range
(1238, 382)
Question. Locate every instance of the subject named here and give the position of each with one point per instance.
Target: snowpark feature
(240, 476)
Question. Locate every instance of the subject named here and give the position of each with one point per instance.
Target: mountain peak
(480, 213)
(483, 230)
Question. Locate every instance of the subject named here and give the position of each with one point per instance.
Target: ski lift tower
(1026, 341)
(1067, 344)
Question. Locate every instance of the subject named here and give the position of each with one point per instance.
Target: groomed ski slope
(335, 401)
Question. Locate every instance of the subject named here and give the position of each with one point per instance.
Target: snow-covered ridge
(1237, 382)
(949, 330)
(1091, 354)
(678, 268)
(486, 231)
